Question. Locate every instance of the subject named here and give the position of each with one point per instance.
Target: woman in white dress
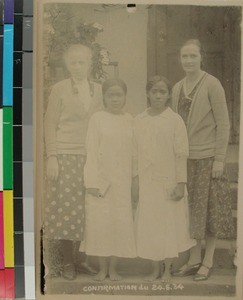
(162, 229)
(109, 230)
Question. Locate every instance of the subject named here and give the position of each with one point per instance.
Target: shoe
(187, 270)
(200, 277)
(84, 268)
(69, 272)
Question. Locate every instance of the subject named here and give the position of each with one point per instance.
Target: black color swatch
(19, 282)
(18, 179)
(18, 32)
(18, 6)
(18, 215)
(17, 66)
(17, 143)
(17, 106)
(19, 249)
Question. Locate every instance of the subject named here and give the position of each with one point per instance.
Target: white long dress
(109, 228)
(162, 224)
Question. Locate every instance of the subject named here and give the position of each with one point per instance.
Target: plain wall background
(125, 37)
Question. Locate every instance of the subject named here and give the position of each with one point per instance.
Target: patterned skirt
(64, 200)
(209, 201)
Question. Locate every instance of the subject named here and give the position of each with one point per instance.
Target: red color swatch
(9, 283)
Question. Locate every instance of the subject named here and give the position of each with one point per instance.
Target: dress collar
(164, 114)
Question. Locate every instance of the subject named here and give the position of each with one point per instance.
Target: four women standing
(155, 150)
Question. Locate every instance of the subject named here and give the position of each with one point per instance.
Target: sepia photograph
(137, 149)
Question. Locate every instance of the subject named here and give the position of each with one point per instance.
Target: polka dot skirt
(64, 200)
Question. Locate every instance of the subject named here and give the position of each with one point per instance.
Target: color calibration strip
(22, 156)
(17, 152)
(27, 138)
(7, 276)
(17, 265)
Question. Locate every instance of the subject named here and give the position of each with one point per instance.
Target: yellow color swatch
(8, 229)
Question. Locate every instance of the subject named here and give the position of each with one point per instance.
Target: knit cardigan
(66, 121)
(208, 124)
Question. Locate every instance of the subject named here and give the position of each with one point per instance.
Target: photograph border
(38, 150)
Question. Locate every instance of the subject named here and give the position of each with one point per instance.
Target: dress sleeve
(134, 152)
(181, 149)
(220, 112)
(92, 148)
(51, 121)
(92, 174)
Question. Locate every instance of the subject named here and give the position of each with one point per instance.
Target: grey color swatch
(28, 8)
(29, 251)
(28, 179)
(27, 70)
(27, 136)
(28, 204)
(27, 107)
(27, 34)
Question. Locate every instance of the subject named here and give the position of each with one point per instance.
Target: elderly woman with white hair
(71, 103)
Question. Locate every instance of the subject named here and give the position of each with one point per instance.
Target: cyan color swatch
(8, 65)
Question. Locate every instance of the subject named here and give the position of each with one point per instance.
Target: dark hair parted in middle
(155, 79)
(114, 82)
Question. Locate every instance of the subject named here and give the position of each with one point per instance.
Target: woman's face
(114, 99)
(158, 95)
(191, 58)
(78, 64)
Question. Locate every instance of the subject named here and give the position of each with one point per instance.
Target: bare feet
(101, 275)
(114, 276)
(152, 277)
(166, 277)
(84, 268)
(156, 271)
(103, 264)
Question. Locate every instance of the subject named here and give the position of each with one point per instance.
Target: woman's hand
(218, 169)
(52, 168)
(178, 192)
(94, 192)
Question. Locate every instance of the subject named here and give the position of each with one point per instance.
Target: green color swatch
(7, 148)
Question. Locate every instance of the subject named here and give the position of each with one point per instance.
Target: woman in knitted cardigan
(200, 100)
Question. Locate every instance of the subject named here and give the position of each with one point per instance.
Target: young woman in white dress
(161, 223)
(109, 228)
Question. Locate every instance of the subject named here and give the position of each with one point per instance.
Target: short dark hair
(113, 82)
(155, 79)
